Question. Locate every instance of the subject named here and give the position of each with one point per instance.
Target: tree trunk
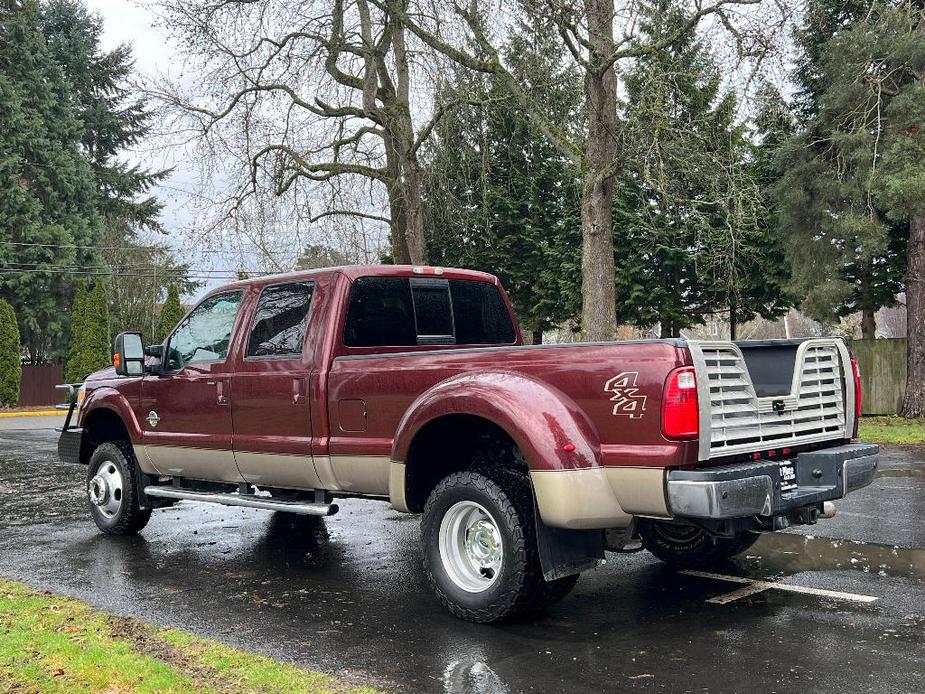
(398, 116)
(869, 324)
(598, 290)
(398, 214)
(414, 207)
(536, 336)
(914, 399)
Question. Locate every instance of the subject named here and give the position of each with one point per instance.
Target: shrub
(10, 365)
(89, 348)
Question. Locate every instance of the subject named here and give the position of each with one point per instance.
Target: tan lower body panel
(599, 497)
(197, 463)
(278, 470)
(144, 461)
(360, 474)
(397, 487)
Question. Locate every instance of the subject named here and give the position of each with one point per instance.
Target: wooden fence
(883, 373)
(37, 386)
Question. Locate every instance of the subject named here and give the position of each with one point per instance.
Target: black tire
(519, 586)
(109, 459)
(688, 546)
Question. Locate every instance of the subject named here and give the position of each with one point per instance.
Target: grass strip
(896, 430)
(51, 643)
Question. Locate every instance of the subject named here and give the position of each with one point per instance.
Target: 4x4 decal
(625, 395)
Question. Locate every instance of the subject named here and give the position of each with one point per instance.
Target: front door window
(204, 335)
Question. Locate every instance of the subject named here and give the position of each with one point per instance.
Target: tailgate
(800, 395)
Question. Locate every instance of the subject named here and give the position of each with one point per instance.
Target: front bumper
(759, 488)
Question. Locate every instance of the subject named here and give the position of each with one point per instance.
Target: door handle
(298, 391)
(221, 395)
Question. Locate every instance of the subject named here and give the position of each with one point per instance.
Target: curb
(35, 413)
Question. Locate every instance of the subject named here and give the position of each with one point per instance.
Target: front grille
(740, 421)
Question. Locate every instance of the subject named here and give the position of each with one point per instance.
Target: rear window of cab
(406, 311)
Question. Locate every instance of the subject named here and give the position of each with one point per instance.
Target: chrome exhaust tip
(828, 510)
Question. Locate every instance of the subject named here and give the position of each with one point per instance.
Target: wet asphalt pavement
(346, 594)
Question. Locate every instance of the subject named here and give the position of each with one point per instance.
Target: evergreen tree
(47, 189)
(89, 348)
(10, 364)
(873, 114)
(846, 254)
(689, 240)
(113, 118)
(73, 367)
(172, 313)
(500, 197)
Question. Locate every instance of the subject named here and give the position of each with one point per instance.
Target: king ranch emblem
(625, 395)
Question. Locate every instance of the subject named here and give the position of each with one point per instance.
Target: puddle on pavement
(791, 553)
(917, 472)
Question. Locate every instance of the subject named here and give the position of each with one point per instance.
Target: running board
(305, 508)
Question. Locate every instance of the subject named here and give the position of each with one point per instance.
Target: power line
(202, 274)
(45, 267)
(104, 248)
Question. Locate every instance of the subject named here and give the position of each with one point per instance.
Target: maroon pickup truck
(411, 385)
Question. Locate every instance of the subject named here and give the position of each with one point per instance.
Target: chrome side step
(305, 508)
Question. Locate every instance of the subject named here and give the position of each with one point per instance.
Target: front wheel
(112, 490)
(479, 545)
(687, 545)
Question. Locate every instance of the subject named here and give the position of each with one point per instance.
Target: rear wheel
(687, 545)
(112, 490)
(479, 543)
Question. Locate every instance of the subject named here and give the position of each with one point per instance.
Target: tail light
(857, 395)
(680, 413)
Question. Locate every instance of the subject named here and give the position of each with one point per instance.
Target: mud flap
(566, 552)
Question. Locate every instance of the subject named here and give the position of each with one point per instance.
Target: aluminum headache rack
(734, 419)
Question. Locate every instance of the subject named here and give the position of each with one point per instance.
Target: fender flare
(542, 420)
(107, 398)
(544, 423)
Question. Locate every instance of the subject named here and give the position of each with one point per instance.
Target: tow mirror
(129, 354)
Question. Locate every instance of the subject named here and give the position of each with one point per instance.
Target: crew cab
(411, 385)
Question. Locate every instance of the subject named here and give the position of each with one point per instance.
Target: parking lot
(836, 607)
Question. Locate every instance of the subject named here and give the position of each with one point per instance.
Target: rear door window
(401, 311)
(380, 313)
(480, 314)
(281, 320)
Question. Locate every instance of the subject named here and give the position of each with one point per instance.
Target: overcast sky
(133, 22)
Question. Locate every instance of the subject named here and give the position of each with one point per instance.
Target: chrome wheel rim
(105, 489)
(471, 547)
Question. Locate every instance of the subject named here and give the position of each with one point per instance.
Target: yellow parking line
(34, 413)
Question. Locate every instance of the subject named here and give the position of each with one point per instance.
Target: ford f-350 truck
(412, 385)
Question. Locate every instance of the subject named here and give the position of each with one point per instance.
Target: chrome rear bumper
(760, 488)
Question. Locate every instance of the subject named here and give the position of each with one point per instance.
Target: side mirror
(129, 354)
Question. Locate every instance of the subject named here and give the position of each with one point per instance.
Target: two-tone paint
(586, 417)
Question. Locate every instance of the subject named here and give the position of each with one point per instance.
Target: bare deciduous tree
(307, 100)
(600, 35)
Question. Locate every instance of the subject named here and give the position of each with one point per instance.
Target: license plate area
(788, 476)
